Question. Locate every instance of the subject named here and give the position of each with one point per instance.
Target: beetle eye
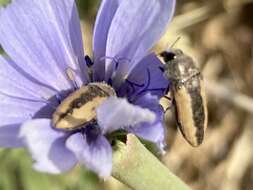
(167, 56)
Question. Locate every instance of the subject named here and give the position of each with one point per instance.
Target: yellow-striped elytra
(188, 95)
(79, 108)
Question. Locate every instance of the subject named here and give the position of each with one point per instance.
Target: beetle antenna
(174, 43)
(166, 54)
(71, 76)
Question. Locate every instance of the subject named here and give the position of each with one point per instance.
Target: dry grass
(219, 36)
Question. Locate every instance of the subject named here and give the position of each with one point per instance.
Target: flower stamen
(133, 85)
(116, 62)
(145, 88)
(89, 64)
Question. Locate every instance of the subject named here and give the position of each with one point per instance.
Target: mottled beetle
(187, 94)
(79, 109)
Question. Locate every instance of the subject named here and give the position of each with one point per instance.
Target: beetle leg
(166, 102)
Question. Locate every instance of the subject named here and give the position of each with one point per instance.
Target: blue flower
(42, 39)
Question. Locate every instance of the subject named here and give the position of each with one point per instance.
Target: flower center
(79, 109)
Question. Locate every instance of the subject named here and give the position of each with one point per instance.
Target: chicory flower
(42, 39)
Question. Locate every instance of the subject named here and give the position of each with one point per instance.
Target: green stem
(139, 169)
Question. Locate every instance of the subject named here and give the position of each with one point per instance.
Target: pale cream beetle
(79, 108)
(187, 93)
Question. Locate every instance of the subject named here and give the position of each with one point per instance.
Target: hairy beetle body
(188, 95)
(79, 108)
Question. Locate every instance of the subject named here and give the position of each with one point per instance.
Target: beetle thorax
(181, 68)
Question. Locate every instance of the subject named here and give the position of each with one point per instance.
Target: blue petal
(103, 21)
(43, 38)
(21, 99)
(145, 77)
(154, 132)
(15, 111)
(117, 113)
(135, 28)
(9, 136)
(95, 154)
(47, 147)
(149, 101)
(14, 82)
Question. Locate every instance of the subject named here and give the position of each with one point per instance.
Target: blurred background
(218, 35)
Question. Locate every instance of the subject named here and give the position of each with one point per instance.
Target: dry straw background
(218, 34)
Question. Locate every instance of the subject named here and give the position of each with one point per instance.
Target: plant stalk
(139, 169)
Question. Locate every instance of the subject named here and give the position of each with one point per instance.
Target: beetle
(79, 108)
(187, 94)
